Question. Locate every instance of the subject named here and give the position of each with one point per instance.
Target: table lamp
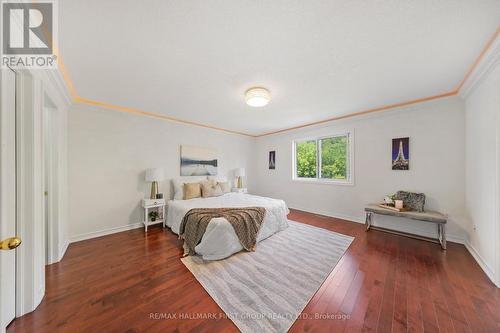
(154, 175)
(239, 173)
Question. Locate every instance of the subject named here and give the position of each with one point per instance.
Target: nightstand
(239, 190)
(153, 204)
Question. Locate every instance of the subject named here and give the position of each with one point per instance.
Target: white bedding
(220, 240)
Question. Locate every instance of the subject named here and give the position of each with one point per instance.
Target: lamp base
(154, 189)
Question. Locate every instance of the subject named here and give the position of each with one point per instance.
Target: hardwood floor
(127, 281)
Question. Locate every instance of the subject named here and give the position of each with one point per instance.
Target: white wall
(109, 152)
(482, 171)
(436, 131)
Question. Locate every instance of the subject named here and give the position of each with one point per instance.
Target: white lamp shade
(240, 172)
(154, 175)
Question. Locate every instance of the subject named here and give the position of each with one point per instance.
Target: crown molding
(64, 74)
(360, 113)
(155, 115)
(488, 61)
(53, 85)
(57, 80)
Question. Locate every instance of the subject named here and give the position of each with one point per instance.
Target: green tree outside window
(334, 157)
(334, 163)
(306, 159)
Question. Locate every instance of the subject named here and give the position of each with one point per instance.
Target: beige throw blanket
(245, 221)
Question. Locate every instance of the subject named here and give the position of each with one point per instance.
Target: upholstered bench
(425, 217)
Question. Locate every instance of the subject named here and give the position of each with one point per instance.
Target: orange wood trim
(478, 59)
(65, 74)
(382, 108)
(154, 115)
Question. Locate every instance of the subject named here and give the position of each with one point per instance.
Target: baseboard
(337, 216)
(105, 232)
(481, 262)
(449, 237)
(63, 249)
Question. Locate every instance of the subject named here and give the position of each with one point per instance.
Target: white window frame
(318, 179)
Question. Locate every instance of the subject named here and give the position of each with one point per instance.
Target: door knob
(10, 243)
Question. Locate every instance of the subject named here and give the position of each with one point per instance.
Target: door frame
(31, 89)
(52, 127)
(497, 190)
(2, 329)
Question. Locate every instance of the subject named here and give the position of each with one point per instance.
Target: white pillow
(218, 179)
(225, 187)
(179, 185)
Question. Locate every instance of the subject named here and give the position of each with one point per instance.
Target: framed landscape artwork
(401, 154)
(272, 160)
(198, 161)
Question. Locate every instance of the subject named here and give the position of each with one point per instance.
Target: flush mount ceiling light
(257, 97)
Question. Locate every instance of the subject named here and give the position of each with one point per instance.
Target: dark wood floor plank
(387, 306)
(132, 282)
(400, 317)
(429, 315)
(414, 311)
(379, 276)
(436, 294)
(368, 263)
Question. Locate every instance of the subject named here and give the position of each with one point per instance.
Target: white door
(7, 197)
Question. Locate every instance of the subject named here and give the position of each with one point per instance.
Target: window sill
(324, 181)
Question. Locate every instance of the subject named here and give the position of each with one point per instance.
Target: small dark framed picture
(272, 160)
(401, 154)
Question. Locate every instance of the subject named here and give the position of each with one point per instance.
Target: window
(326, 159)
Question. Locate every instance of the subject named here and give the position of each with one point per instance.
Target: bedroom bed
(220, 240)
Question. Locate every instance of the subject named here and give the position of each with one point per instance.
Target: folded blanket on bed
(245, 221)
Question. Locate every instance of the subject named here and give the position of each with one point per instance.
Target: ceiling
(193, 60)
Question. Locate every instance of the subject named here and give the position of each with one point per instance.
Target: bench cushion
(427, 216)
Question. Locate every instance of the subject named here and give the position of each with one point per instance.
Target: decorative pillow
(210, 182)
(192, 190)
(413, 201)
(211, 190)
(179, 185)
(225, 187)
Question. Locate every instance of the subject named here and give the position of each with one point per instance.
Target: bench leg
(443, 232)
(442, 235)
(368, 220)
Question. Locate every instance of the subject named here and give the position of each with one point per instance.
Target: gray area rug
(266, 290)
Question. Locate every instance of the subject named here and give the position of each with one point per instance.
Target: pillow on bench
(413, 201)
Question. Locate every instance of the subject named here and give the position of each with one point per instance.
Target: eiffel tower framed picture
(401, 154)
